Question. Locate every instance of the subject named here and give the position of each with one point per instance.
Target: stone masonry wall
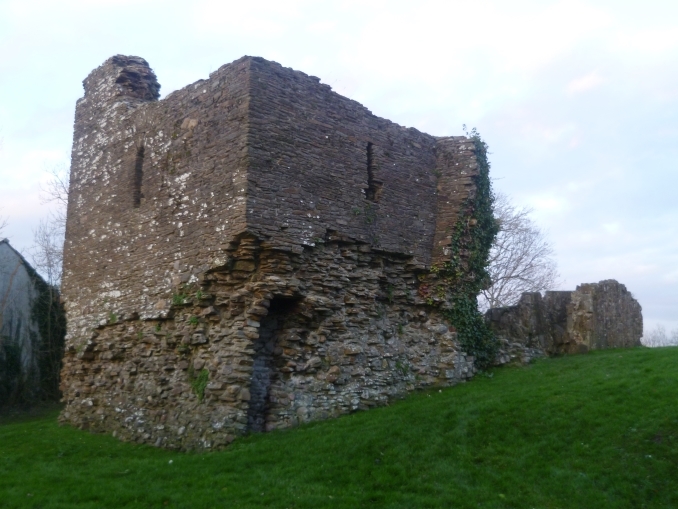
(153, 197)
(320, 162)
(605, 315)
(160, 188)
(246, 254)
(283, 338)
(594, 316)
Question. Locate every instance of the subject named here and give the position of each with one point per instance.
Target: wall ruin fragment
(594, 316)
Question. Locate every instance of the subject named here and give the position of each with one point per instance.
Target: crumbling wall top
(122, 76)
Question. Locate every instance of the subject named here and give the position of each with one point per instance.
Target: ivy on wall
(461, 279)
(49, 313)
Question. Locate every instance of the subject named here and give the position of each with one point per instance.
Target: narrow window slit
(138, 177)
(373, 191)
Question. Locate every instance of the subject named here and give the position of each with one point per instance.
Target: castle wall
(245, 255)
(160, 188)
(157, 189)
(278, 339)
(605, 315)
(321, 162)
(456, 169)
(594, 316)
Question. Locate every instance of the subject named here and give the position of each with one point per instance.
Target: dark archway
(263, 367)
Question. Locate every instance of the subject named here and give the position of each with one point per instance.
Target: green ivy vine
(48, 312)
(462, 278)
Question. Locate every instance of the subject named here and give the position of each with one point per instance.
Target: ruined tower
(246, 254)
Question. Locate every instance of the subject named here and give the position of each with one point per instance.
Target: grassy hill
(589, 431)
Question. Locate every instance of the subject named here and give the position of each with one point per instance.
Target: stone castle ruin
(593, 317)
(252, 252)
(248, 254)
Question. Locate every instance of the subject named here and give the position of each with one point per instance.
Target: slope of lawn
(589, 431)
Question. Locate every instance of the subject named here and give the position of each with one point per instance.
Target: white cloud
(545, 204)
(612, 228)
(585, 83)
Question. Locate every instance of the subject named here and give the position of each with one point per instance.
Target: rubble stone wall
(282, 338)
(246, 254)
(605, 315)
(594, 316)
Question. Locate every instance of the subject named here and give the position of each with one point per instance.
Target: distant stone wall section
(594, 316)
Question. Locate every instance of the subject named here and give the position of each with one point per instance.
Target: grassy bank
(590, 431)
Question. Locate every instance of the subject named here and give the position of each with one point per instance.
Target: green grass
(589, 431)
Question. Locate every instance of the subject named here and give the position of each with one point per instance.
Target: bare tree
(48, 238)
(56, 191)
(3, 219)
(659, 337)
(47, 250)
(520, 259)
(47, 255)
(3, 224)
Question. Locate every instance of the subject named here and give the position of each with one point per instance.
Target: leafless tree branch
(56, 191)
(48, 237)
(520, 259)
(3, 224)
(47, 250)
(659, 337)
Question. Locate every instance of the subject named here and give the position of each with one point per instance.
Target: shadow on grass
(13, 415)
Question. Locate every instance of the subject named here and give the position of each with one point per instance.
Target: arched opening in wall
(374, 187)
(264, 370)
(138, 177)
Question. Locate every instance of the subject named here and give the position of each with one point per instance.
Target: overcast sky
(578, 100)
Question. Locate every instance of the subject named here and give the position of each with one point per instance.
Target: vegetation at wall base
(12, 386)
(587, 431)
